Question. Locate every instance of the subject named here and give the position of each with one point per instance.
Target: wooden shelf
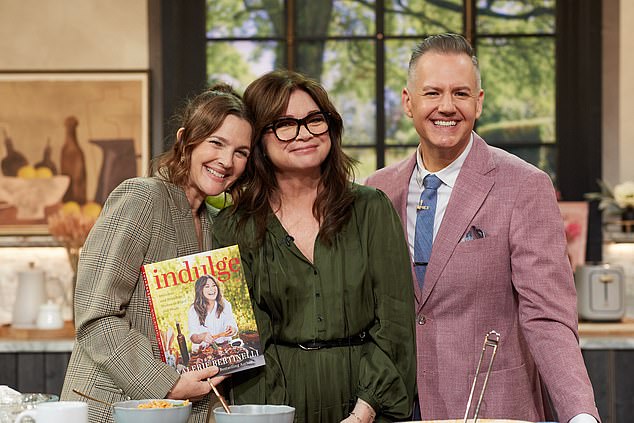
(613, 231)
(9, 332)
(623, 328)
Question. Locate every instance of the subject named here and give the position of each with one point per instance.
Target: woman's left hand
(362, 413)
(194, 385)
(354, 419)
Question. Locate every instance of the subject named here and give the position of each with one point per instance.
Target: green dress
(362, 282)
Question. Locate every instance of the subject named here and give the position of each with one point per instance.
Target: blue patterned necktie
(425, 212)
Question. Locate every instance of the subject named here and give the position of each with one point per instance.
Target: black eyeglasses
(287, 129)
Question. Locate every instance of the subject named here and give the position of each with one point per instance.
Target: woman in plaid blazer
(145, 220)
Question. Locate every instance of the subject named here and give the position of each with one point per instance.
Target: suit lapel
(402, 176)
(472, 187)
(206, 225)
(186, 239)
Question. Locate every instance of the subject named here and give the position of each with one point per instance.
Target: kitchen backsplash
(54, 262)
(58, 274)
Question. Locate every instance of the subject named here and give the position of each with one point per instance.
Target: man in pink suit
(498, 260)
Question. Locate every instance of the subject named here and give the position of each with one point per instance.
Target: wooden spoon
(222, 400)
(92, 398)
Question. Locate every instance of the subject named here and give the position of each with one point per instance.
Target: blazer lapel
(207, 230)
(472, 187)
(402, 176)
(186, 238)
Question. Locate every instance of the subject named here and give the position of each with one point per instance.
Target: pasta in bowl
(152, 411)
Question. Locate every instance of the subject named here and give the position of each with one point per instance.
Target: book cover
(202, 312)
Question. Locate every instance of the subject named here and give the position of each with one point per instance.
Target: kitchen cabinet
(34, 371)
(35, 361)
(40, 366)
(608, 351)
(611, 371)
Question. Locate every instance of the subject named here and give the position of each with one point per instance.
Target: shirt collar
(447, 175)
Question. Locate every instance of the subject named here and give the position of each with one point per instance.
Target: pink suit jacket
(516, 280)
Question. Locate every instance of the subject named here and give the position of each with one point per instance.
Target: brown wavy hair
(200, 302)
(267, 98)
(201, 116)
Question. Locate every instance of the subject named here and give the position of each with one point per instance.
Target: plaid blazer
(116, 354)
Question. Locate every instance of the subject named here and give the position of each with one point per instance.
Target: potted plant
(617, 202)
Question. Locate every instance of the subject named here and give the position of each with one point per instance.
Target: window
(359, 50)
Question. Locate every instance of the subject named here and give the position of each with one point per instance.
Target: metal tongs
(491, 339)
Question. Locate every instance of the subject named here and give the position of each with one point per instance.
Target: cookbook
(202, 312)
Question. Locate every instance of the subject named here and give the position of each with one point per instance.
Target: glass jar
(10, 407)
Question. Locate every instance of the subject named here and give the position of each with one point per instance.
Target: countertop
(37, 340)
(592, 336)
(607, 335)
(470, 420)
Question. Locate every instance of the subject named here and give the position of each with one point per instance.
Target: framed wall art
(575, 215)
(67, 139)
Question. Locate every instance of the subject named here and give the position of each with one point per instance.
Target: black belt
(358, 339)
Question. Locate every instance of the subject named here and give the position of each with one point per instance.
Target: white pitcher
(31, 294)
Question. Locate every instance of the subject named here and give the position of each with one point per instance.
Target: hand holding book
(195, 384)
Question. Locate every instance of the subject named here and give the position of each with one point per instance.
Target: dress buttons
(421, 319)
(319, 318)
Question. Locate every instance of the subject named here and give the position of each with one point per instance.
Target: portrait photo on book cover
(202, 312)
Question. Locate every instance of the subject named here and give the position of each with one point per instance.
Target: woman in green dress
(327, 267)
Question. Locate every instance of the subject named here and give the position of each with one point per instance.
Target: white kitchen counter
(36, 345)
(14, 340)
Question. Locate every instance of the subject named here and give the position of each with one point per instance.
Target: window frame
(176, 71)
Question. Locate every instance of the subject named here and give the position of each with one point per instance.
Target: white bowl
(128, 412)
(32, 196)
(255, 414)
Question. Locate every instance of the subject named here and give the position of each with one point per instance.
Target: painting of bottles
(67, 140)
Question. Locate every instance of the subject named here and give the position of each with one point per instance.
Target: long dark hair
(200, 302)
(267, 98)
(201, 116)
